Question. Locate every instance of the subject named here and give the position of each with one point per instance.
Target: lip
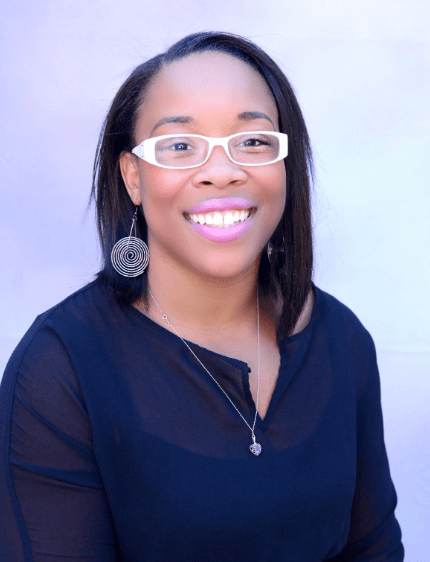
(221, 204)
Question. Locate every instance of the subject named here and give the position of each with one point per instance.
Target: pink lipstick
(221, 204)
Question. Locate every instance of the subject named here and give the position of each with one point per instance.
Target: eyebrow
(251, 115)
(185, 119)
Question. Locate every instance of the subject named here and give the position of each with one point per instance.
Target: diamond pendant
(255, 448)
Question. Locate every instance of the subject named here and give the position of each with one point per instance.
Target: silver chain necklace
(255, 447)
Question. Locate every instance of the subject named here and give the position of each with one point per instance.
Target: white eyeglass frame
(146, 149)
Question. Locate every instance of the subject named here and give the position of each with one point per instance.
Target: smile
(226, 226)
(225, 219)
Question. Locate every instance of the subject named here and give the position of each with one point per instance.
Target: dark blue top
(116, 445)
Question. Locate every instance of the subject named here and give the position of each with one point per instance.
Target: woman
(202, 399)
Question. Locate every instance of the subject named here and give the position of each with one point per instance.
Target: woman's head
(216, 85)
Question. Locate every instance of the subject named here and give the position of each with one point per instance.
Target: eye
(175, 144)
(254, 142)
(180, 146)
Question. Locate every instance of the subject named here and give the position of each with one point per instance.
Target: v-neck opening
(283, 379)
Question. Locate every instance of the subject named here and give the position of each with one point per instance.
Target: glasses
(256, 148)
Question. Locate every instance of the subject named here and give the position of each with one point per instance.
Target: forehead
(207, 83)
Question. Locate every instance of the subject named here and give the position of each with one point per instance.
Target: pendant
(255, 448)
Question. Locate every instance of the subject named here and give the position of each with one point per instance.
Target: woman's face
(215, 95)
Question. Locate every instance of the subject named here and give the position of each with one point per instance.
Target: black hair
(286, 277)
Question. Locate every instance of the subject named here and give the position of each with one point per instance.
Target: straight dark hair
(285, 273)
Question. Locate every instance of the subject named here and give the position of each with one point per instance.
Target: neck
(203, 304)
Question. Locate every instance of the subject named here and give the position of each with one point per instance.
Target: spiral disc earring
(130, 256)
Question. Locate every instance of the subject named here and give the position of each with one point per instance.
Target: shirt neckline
(237, 363)
(284, 377)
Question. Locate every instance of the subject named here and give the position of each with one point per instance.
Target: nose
(219, 171)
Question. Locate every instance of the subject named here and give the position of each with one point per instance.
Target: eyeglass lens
(249, 148)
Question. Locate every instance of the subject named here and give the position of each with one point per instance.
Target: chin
(223, 269)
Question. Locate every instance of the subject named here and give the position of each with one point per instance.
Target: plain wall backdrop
(360, 70)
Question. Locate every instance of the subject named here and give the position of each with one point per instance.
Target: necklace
(255, 447)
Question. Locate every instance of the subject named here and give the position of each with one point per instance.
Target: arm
(374, 534)
(55, 506)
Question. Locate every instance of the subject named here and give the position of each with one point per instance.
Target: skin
(208, 289)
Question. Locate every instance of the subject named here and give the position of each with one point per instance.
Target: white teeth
(228, 219)
(219, 220)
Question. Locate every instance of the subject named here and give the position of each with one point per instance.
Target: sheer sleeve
(374, 534)
(55, 506)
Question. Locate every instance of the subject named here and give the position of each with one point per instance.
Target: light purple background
(361, 73)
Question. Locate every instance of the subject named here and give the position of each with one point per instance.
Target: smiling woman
(133, 412)
(210, 103)
(241, 90)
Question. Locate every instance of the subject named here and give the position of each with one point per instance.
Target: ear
(130, 174)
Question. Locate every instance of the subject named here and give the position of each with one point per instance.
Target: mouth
(221, 219)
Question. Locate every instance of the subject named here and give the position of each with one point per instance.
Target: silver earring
(130, 256)
(269, 250)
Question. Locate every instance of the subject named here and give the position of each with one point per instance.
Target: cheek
(273, 184)
(273, 197)
(160, 186)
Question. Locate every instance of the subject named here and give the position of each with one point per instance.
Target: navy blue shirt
(116, 445)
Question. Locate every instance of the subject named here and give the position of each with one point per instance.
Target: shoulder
(41, 386)
(340, 324)
(82, 304)
(69, 317)
(339, 331)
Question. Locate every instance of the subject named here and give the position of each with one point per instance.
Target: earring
(269, 249)
(130, 256)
